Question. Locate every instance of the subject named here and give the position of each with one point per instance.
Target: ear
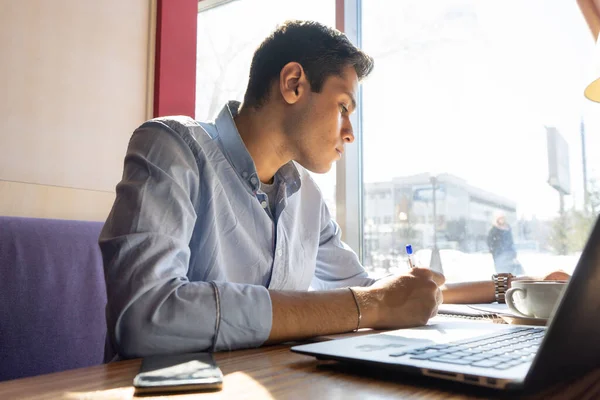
(292, 82)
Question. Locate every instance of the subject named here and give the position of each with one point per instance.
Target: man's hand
(557, 275)
(391, 303)
(401, 301)
(483, 292)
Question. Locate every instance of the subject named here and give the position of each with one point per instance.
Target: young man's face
(322, 126)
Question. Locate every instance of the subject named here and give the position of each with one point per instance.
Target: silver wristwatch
(501, 285)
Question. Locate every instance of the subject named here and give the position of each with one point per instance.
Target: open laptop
(492, 355)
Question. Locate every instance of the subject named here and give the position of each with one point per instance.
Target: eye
(343, 109)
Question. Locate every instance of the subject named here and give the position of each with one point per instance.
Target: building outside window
(470, 94)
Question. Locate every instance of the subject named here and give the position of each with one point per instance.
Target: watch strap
(501, 282)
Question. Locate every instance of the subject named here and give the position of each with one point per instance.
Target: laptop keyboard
(498, 351)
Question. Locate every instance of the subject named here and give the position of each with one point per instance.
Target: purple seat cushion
(52, 296)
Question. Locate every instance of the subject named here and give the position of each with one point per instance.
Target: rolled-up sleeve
(153, 307)
(338, 265)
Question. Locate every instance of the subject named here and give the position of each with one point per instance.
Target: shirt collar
(237, 153)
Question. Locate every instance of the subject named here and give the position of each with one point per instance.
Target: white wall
(76, 79)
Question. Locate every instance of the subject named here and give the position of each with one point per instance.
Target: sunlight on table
(237, 383)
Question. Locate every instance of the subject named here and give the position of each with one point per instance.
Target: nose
(347, 131)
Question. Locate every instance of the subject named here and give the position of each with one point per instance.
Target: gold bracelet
(357, 309)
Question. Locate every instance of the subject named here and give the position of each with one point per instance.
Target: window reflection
(461, 99)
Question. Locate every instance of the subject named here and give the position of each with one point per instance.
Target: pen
(409, 253)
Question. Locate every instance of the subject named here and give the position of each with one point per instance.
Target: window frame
(349, 182)
(349, 170)
(204, 5)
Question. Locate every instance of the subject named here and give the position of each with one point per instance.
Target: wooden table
(276, 373)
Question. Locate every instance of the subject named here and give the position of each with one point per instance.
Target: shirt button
(263, 204)
(244, 174)
(253, 180)
(279, 252)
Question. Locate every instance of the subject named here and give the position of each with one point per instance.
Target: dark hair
(322, 52)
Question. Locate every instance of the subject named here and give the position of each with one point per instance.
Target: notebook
(485, 311)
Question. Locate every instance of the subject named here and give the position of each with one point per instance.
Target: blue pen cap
(409, 249)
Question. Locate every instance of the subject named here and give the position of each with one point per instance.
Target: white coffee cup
(534, 299)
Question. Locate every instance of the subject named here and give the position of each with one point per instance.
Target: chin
(316, 165)
(319, 169)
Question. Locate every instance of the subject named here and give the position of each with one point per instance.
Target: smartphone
(178, 373)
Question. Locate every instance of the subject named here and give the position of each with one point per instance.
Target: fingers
(419, 272)
(426, 273)
(557, 276)
(438, 278)
(432, 277)
(439, 299)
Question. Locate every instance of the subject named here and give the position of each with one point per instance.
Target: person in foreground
(218, 232)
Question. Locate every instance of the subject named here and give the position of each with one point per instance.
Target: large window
(227, 37)
(474, 112)
(465, 99)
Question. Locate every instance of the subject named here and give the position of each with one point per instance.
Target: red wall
(175, 62)
(339, 15)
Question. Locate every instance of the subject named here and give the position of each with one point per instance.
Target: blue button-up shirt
(190, 252)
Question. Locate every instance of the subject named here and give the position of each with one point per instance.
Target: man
(501, 245)
(217, 231)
